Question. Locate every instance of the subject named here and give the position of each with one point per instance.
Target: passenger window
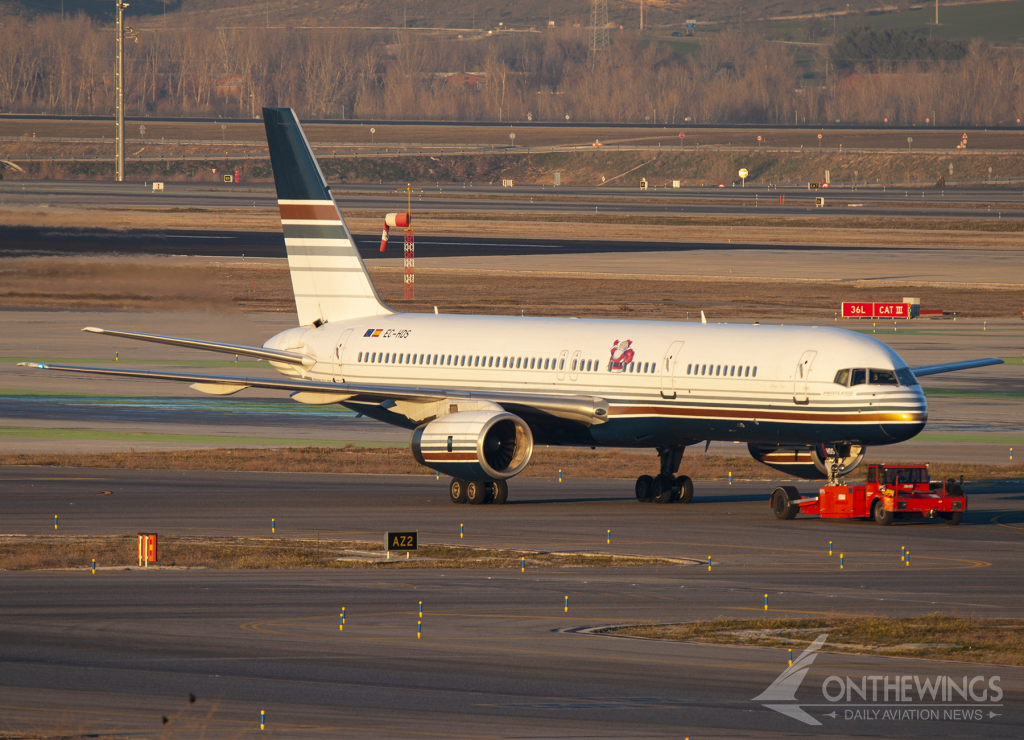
(588, 366)
(703, 369)
(688, 369)
(858, 377)
(645, 367)
(843, 377)
(518, 361)
(755, 372)
(748, 372)
(574, 365)
(545, 364)
(504, 362)
(654, 367)
(561, 364)
(732, 371)
(882, 377)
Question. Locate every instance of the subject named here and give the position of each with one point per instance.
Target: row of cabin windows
(732, 371)
(522, 363)
(517, 363)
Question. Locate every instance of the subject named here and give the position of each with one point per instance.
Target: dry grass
(156, 284)
(47, 552)
(975, 640)
(546, 463)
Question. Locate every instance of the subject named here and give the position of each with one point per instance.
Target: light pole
(119, 84)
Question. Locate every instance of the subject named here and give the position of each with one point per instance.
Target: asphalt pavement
(119, 651)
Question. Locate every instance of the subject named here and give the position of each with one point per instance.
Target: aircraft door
(572, 364)
(802, 378)
(668, 368)
(339, 356)
(562, 359)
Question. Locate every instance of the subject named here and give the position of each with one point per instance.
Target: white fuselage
(665, 382)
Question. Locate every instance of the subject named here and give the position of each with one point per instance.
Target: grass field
(20, 552)
(937, 636)
(229, 287)
(547, 462)
(999, 22)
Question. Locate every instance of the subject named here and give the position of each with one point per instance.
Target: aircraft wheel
(644, 484)
(458, 491)
(882, 516)
(476, 492)
(663, 489)
(684, 489)
(781, 503)
(499, 492)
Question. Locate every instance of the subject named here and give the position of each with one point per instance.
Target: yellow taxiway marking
(997, 517)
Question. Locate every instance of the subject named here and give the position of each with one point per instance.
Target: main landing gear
(478, 491)
(666, 488)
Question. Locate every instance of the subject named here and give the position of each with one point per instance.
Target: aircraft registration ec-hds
(479, 391)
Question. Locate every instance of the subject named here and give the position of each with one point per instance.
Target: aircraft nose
(909, 415)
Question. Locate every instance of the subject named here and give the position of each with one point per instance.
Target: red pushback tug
(891, 491)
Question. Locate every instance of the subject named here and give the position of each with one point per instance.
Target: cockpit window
(860, 376)
(906, 376)
(882, 377)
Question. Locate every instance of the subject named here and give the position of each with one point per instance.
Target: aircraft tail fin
(329, 278)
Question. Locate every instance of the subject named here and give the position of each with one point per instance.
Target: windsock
(403, 220)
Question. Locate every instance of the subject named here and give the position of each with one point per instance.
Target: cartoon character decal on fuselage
(622, 355)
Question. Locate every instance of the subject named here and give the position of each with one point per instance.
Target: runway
(499, 656)
(983, 203)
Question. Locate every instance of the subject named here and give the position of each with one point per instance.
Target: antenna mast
(598, 29)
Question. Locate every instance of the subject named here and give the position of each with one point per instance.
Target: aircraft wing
(587, 410)
(277, 355)
(949, 367)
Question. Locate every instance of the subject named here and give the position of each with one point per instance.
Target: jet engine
(474, 445)
(808, 461)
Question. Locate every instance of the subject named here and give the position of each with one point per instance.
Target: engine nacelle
(807, 461)
(474, 445)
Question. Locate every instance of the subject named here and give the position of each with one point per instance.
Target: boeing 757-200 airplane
(479, 391)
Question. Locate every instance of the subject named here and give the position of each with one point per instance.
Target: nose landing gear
(666, 488)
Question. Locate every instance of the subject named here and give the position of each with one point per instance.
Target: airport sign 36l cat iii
(478, 392)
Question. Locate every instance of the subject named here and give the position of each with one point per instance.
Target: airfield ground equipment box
(890, 492)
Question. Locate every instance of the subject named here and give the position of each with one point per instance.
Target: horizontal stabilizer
(277, 355)
(950, 367)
